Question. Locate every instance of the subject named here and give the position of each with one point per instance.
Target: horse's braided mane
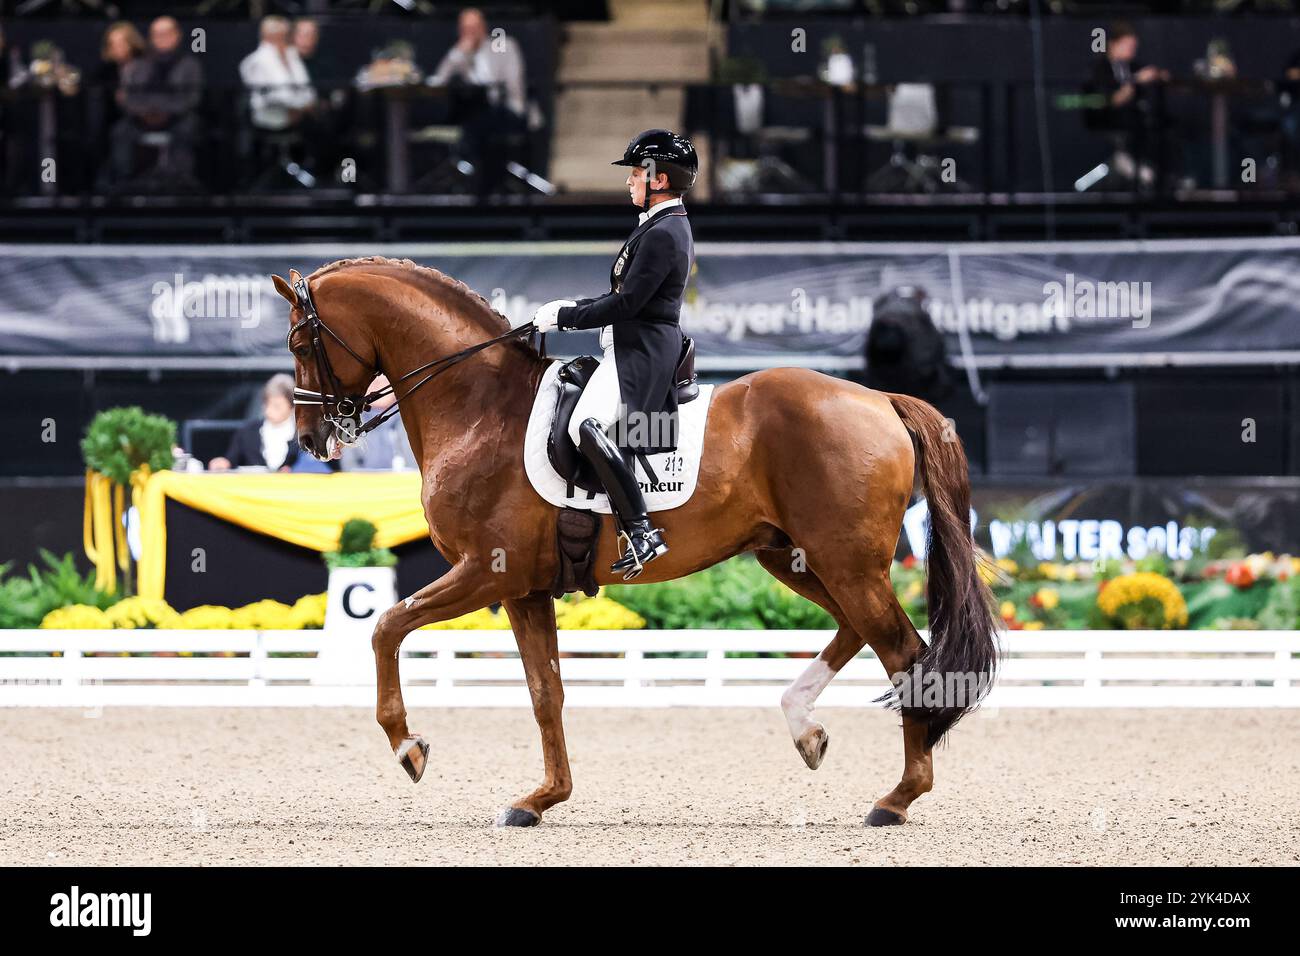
(443, 280)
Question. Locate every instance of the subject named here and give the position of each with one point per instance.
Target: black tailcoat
(643, 307)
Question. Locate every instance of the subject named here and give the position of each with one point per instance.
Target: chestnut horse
(810, 472)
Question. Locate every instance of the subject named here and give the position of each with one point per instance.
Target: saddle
(573, 378)
(577, 532)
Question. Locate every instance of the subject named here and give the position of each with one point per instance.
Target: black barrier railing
(793, 141)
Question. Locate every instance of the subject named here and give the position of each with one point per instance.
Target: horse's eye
(300, 351)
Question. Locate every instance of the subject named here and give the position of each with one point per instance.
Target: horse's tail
(963, 648)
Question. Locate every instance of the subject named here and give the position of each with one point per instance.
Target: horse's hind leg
(876, 613)
(810, 737)
(533, 621)
(877, 619)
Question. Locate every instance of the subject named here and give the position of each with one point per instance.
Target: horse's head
(333, 366)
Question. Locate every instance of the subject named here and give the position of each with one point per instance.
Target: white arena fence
(628, 669)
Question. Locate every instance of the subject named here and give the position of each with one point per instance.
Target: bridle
(344, 411)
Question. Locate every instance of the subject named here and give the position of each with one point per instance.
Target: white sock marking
(799, 697)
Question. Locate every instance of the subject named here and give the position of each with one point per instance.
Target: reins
(344, 411)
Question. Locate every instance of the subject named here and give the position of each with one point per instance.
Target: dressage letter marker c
(347, 600)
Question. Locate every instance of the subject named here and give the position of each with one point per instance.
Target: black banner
(766, 302)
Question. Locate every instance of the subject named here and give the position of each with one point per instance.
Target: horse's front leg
(466, 587)
(533, 621)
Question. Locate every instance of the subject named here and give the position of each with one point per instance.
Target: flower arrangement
(1143, 600)
(77, 617)
(572, 613)
(137, 613)
(121, 440)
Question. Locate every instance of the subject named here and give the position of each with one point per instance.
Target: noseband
(344, 411)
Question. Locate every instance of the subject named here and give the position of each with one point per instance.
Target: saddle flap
(568, 462)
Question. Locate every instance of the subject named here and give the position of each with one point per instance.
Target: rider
(633, 389)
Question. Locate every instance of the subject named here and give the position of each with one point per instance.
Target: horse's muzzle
(316, 443)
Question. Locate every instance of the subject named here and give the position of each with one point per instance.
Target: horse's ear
(285, 290)
(294, 276)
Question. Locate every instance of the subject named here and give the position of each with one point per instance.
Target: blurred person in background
(386, 448)
(122, 45)
(279, 88)
(270, 441)
(1128, 117)
(486, 76)
(161, 93)
(330, 128)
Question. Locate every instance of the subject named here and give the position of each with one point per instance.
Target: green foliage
(120, 440)
(1154, 563)
(357, 535)
(1210, 601)
(1282, 612)
(25, 600)
(357, 548)
(736, 594)
(374, 558)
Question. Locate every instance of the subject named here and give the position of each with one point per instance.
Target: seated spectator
(1128, 117)
(121, 46)
(386, 448)
(333, 116)
(487, 79)
(306, 41)
(161, 92)
(272, 440)
(280, 91)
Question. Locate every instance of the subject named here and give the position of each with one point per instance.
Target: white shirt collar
(658, 208)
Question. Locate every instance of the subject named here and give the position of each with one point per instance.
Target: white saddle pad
(677, 471)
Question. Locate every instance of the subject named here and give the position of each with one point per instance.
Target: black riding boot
(644, 543)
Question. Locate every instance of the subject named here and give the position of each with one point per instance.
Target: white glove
(547, 318)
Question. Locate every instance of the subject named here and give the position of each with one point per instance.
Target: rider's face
(636, 185)
(636, 181)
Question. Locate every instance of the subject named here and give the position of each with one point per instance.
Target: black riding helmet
(663, 151)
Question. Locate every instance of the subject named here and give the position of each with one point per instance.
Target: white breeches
(600, 399)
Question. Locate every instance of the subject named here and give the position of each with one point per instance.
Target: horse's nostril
(307, 443)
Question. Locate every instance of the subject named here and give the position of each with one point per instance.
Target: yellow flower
(1007, 565)
(596, 614)
(262, 616)
(1033, 625)
(484, 619)
(1129, 590)
(206, 617)
(1007, 610)
(134, 612)
(1048, 598)
(76, 617)
(308, 611)
(1049, 570)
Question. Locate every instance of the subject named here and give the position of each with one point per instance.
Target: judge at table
(270, 441)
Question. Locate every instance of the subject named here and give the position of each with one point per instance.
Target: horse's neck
(490, 392)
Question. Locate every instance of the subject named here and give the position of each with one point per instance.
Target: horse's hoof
(413, 755)
(515, 817)
(812, 746)
(880, 817)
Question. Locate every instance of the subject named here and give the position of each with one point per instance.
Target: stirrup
(637, 564)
